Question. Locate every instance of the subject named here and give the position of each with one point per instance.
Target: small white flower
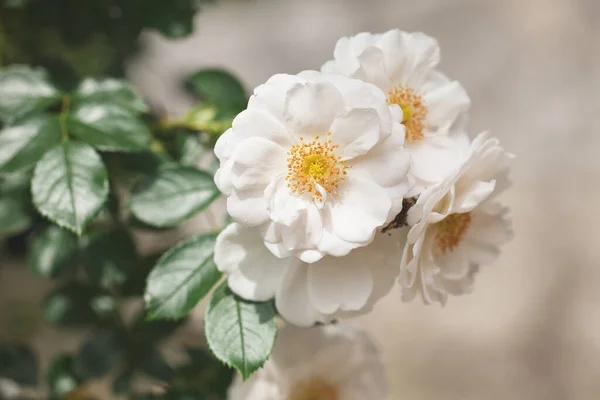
(457, 226)
(322, 363)
(403, 66)
(306, 293)
(316, 162)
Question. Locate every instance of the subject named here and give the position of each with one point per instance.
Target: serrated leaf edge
(166, 254)
(44, 214)
(225, 362)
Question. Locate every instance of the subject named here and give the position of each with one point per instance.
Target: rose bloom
(403, 65)
(307, 293)
(457, 226)
(316, 163)
(322, 363)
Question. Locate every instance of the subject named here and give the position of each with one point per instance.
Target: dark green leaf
(172, 196)
(19, 363)
(25, 142)
(108, 257)
(181, 278)
(70, 185)
(144, 163)
(53, 252)
(240, 333)
(113, 91)
(61, 376)
(72, 305)
(16, 211)
(220, 88)
(103, 352)
(24, 89)
(109, 127)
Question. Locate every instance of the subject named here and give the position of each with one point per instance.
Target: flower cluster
(324, 170)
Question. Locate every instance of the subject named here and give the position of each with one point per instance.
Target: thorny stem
(400, 220)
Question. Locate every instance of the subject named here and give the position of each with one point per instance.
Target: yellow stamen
(450, 231)
(414, 109)
(314, 389)
(315, 164)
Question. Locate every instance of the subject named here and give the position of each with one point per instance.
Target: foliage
(76, 141)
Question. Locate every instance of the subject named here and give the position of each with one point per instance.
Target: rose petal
(360, 207)
(292, 299)
(340, 283)
(248, 207)
(257, 162)
(311, 108)
(254, 273)
(356, 131)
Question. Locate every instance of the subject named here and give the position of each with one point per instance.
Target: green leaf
(61, 376)
(109, 127)
(103, 352)
(181, 278)
(16, 211)
(73, 304)
(70, 185)
(190, 148)
(25, 142)
(52, 252)
(221, 88)
(24, 89)
(113, 91)
(18, 363)
(172, 196)
(240, 333)
(108, 257)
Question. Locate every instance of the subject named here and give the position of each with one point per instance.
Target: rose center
(313, 167)
(413, 108)
(450, 231)
(314, 389)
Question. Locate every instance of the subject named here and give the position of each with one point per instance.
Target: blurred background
(531, 329)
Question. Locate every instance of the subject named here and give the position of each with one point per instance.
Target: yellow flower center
(313, 168)
(315, 165)
(450, 231)
(314, 389)
(413, 108)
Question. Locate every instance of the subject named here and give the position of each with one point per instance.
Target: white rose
(322, 363)
(307, 293)
(316, 163)
(434, 107)
(457, 226)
